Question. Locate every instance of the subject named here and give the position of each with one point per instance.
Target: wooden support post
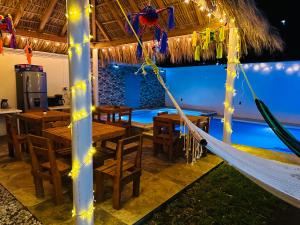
(95, 76)
(233, 59)
(80, 82)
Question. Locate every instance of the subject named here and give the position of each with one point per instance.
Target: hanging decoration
(6, 25)
(207, 39)
(28, 52)
(149, 17)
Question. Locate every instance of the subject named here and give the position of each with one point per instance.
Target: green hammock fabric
(285, 136)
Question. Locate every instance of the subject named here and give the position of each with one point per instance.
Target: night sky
(277, 11)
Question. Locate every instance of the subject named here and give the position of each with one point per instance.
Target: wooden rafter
(101, 28)
(134, 6)
(47, 14)
(19, 14)
(199, 16)
(43, 36)
(115, 14)
(64, 29)
(93, 24)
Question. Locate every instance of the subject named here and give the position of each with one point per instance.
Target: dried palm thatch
(257, 32)
(110, 33)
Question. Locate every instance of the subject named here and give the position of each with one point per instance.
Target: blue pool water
(244, 132)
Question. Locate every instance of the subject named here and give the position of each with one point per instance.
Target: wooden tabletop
(176, 118)
(112, 109)
(38, 116)
(99, 132)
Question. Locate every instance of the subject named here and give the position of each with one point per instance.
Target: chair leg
(11, 150)
(39, 187)
(170, 153)
(18, 151)
(59, 199)
(99, 187)
(155, 149)
(136, 186)
(117, 194)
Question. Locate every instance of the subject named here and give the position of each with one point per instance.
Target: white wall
(203, 87)
(55, 65)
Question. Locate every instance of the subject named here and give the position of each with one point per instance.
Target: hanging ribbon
(194, 39)
(207, 39)
(197, 53)
(219, 50)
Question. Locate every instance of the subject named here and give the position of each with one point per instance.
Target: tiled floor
(160, 181)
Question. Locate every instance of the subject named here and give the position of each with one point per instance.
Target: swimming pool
(244, 132)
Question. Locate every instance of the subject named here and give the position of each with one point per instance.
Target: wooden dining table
(35, 119)
(175, 118)
(38, 116)
(100, 132)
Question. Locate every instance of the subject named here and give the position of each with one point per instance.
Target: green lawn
(225, 197)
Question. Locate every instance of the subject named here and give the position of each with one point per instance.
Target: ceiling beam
(43, 36)
(93, 25)
(19, 14)
(198, 14)
(47, 14)
(101, 28)
(115, 14)
(64, 29)
(134, 6)
(147, 37)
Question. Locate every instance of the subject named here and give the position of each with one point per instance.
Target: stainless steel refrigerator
(31, 88)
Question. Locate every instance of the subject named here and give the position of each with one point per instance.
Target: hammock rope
(283, 180)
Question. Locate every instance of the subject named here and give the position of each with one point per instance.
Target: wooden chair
(45, 166)
(62, 149)
(121, 171)
(124, 112)
(15, 141)
(164, 135)
(204, 125)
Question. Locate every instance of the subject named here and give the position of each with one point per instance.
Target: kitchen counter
(9, 111)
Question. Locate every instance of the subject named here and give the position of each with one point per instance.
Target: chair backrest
(122, 112)
(162, 126)
(203, 124)
(55, 121)
(41, 151)
(11, 129)
(162, 113)
(125, 146)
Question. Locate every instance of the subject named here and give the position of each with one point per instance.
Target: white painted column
(95, 76)
(233, 58)
(80, 86)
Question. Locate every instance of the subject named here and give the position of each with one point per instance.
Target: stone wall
(113, 88)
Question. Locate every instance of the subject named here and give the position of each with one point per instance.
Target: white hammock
(283, 180)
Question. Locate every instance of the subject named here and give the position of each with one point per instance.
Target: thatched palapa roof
(44, 24)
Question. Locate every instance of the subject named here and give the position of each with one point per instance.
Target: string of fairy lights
(79, 89)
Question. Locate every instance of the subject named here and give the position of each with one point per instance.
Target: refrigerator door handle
(27, 94)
